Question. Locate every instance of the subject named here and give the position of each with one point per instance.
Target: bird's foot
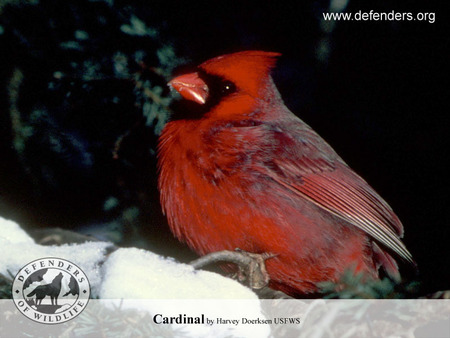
(254, 272)
(252, 268)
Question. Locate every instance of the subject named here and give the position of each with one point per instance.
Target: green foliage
(357, 286)
(83, 98)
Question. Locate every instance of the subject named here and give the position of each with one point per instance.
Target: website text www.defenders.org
(380, 16)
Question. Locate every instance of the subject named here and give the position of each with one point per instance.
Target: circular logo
(51, 290)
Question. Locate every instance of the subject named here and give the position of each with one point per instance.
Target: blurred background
(83, 98)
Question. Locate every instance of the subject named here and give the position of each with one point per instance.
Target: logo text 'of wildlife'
(51, 290)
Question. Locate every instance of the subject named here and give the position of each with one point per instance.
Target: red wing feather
(333, 186)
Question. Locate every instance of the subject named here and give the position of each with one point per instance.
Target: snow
(175, 289)
(129, 277)
(18, 249)
(13, 233)
(150, 274)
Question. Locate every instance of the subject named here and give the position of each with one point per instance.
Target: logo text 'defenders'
(51, 290)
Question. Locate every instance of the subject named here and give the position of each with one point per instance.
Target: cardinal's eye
(228, 87)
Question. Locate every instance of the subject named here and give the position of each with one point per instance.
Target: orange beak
(191, 87)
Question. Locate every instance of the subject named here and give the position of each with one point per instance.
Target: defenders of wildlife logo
(51, 290)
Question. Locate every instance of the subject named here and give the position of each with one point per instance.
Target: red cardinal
(242, 171)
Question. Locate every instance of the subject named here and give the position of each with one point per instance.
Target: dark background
(83, 97)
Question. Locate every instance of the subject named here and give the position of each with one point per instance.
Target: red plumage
(244, 172)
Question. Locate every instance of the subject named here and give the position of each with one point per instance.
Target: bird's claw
(254, 272)
(252, 268)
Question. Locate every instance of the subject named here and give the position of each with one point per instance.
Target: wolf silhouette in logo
(51, 290)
